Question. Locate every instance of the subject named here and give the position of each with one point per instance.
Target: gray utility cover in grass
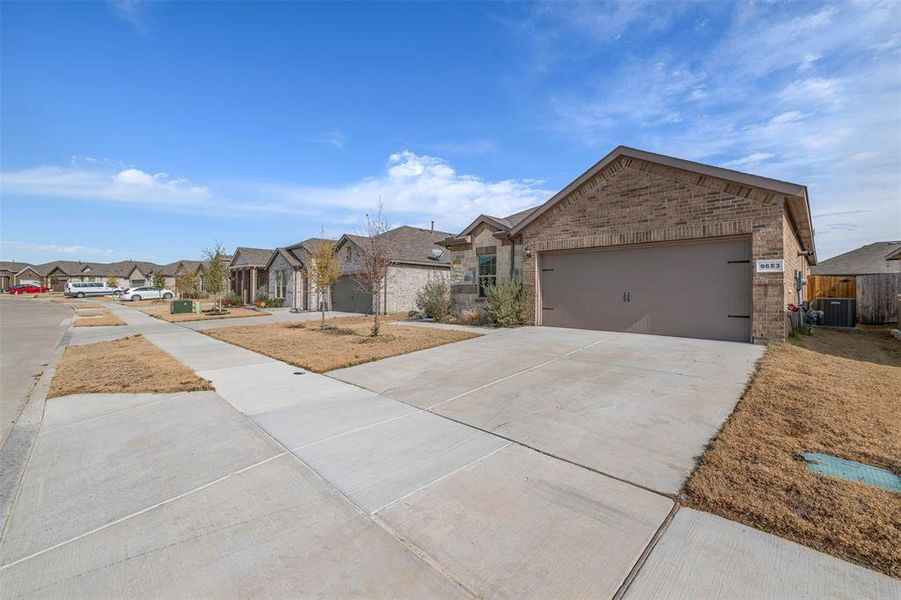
(383, 463)
(519, 524)
(704, 556)
(638, 407)
(273, 531)
(85, 475)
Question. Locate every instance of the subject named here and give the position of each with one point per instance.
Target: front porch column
(253, 286)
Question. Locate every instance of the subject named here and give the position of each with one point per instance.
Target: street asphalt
(29, 332)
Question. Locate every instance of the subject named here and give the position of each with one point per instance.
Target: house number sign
(775, 265)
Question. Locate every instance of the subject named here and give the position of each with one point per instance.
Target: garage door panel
(690, 289)
(347, 298)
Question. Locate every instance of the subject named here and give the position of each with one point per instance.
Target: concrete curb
(16, 450)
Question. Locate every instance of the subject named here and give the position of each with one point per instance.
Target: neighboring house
(870, 274)
(415, 258)
(878, 257)
(289, 275)
(648, 243)
(174, 270)
(12, 272)
(247, 272)
(128, 273)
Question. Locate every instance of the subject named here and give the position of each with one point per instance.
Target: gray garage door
(696, 289)
(347, 298)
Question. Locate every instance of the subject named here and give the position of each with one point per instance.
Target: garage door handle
(739, 316)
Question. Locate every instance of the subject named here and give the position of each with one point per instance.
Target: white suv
(80, 289)
(146, 293)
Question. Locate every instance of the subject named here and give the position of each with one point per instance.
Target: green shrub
(275, 302)
(235, 300)
(504, 303)
(433, 300)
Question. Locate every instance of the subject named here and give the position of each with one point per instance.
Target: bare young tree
(216, 278)
(324, 270)
(370, 269)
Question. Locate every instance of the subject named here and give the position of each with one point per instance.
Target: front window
(487, 272)
(281, 284)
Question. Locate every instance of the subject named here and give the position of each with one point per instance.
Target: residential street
(284, 483)
(29, 332)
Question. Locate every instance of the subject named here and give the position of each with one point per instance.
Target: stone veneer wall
(633, 202)
(464, 266)
(404, 282)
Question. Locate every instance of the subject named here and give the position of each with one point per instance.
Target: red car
(26, 288)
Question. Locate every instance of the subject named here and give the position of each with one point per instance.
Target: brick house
(415, 258)
(247, 272)
(289, 275)
(648, 243)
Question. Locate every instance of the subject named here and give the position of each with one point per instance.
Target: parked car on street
(146, 293)
(81, 289)
(26, 288)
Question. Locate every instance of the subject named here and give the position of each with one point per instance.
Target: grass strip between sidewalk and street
(105, 319)
(835, 392)
(160, 310)
(346, 341)
(130, 365)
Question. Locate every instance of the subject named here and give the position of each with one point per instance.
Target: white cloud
(415, 189)
(90, 182)
(9, 248)
(751, 159)
(131, 11)
(334, 138)
(813, 90)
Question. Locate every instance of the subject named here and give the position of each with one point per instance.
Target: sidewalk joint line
(140, 512)
(442, 478)
(517, 374)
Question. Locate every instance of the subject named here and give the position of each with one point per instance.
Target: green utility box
(181, 306)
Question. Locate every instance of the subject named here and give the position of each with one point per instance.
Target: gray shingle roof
(515, 218)
(12, 266)
(412, 245)
(122, 268)
(251, 257)
(872, 258)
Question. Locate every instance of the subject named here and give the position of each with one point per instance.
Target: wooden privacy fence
(877, 298)
(830, 286)
(877, 295)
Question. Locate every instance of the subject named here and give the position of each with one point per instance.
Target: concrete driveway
(284, 483)
(639, 408)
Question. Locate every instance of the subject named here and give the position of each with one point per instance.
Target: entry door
(690, 289)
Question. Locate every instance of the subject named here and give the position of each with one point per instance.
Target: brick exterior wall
(794, 264)
(634, 201)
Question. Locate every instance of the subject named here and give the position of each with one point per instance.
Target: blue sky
(151, 130)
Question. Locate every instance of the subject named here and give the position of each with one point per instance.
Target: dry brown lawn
(160, 310)
(104, 319)
(347, 342)
(130, 365)
(834, 392)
